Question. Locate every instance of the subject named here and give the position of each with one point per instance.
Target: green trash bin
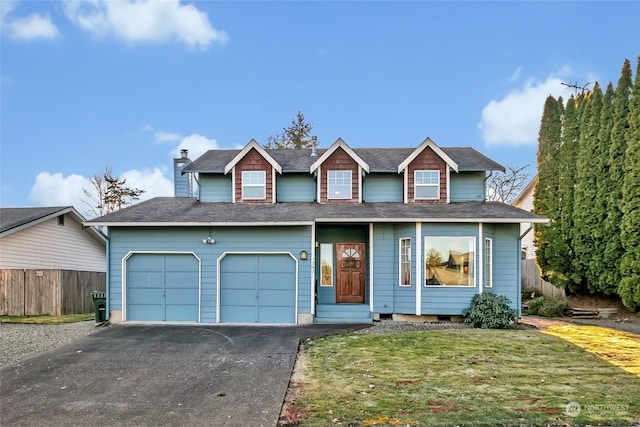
(100, 303)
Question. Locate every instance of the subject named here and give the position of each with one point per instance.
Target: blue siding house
(315, 235)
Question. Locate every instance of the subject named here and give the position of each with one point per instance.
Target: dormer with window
(427, 173)
(339, 173)
(253, 173)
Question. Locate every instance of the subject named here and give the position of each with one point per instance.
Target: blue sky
(90, 83)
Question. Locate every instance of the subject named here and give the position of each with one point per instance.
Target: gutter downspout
(107, 276)
(519, 270)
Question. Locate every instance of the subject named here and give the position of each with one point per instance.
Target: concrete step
(343, 313)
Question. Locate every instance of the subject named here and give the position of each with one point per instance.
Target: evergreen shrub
(489, 311)
(548, 306)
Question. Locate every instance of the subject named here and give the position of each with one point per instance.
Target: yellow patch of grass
(621, 349)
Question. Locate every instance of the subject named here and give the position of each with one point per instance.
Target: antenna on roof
(314, 145)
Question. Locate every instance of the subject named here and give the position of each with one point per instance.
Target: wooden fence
(54, 292)
(531, 279)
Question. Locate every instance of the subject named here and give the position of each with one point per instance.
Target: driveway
(158, 375)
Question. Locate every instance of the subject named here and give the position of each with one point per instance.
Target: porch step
(343, 313)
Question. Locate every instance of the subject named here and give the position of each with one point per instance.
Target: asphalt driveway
(158, 375)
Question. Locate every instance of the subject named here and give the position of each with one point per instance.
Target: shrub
(489, 311)
(530, 293)
(548, 306)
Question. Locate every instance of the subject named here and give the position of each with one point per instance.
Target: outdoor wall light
(209, 241)
(303, 255)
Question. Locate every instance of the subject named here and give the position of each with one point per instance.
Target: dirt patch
(292, 415)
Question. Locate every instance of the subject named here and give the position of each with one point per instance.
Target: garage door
(257, 288)
(162, 287)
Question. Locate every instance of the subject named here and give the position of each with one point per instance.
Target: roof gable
(253, 144)
(526, 192)
(430, 144)
(15, 219)
(384, 160)
(339, 144)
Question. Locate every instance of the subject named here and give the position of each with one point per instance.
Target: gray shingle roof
(379, 159)
(15, 217)
(189, 211)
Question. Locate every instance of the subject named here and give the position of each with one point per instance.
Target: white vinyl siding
(254, 185)
(427, 185)
(49, 245)
(339, 185)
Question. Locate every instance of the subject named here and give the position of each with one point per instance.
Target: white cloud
(145, 21)
(516, 74)
(153, 181)
(167, 136)
(515, 119)
(31, 27)
(53, 189)
(196, 144)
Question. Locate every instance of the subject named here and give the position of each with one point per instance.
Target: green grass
(461, 377)
(48, 320)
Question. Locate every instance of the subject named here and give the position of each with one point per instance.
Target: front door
(350, 274)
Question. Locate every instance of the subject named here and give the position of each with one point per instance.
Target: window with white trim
(254, 185)
(449, 261)
(426, 185)
(326, 264)
(405, 261)
(338, 185)
(488, 262)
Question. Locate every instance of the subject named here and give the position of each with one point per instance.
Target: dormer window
(427, 185)
(339, 185)
(254, 185)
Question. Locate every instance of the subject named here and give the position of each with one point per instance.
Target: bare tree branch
(505, 187)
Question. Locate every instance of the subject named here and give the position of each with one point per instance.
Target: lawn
(461, 377)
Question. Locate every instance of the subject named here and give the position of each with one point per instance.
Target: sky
(86, 84)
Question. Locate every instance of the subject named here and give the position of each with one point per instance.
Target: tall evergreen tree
(601, 163)
(545, 200)
(618, 145)
(297, 135)
(566, 174)
(584, 215)
(629, 288)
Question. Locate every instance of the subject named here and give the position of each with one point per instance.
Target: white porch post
(313, 269)
(371, 244)
(418, 268)
(480, 258)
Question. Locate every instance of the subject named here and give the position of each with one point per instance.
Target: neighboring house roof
(185, 211)
(378, 159)
(16, 219)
